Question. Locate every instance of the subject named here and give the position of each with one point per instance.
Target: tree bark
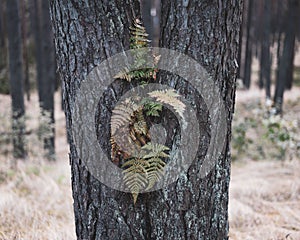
(16, 77)
(200, 33)
(87, 33)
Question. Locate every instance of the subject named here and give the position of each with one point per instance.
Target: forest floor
(36, 200)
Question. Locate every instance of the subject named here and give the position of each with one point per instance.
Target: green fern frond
(152, 150)
(138, 40)
(139, 37)
(169, 97)
(155, 171)
(154, 153)
(135, 176)
(151, 108)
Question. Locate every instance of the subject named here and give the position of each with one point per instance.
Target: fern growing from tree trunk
(131, 146)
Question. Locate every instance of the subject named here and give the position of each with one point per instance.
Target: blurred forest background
(35, 194)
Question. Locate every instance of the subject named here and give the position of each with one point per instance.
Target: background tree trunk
(45, 66)
(24, 49)
(16, 77)
(265, 58)
(146, 6)
(4, 80)
(2, 27)
(248, 50)
(286, 62)
(48, 80)
(88, 32)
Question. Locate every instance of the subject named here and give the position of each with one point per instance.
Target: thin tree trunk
(2, 27)
(146, 6)
(16, 77)
(3, 55)
(156, 20)
(35, 16)
(45, 66)
(88, 32)
(248, 55)
(265, 59)
(24, 49)
(239, 74)
(47, 82)
(286, 63)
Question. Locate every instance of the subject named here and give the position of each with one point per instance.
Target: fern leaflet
(169, 97)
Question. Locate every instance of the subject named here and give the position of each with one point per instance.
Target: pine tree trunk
(2, 28)
(286, 63)
(47, 82)
(24, 49)
(88, 32)
(16, 77)
(240, 51)
(265, 58)
(248, 55)
(146, 6)
(199, 33)
(45, 65)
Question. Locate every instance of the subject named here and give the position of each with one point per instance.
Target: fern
(151, 150)
(144, 165)
(121, 120)
(122, 114)
(135, 176)
(155, 171)
(138, 40)
(151, 108)
(169, 97)
(142, 172)
(139, 37)
(154, 153)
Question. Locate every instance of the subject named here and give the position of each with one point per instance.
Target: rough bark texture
(16, 77)
(208, 32)
(86, 33)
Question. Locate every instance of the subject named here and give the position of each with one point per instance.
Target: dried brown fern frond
(122, 115)
(170, 97)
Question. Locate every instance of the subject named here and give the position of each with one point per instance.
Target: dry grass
(265, 194)
(265, 200)
(35, 195)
